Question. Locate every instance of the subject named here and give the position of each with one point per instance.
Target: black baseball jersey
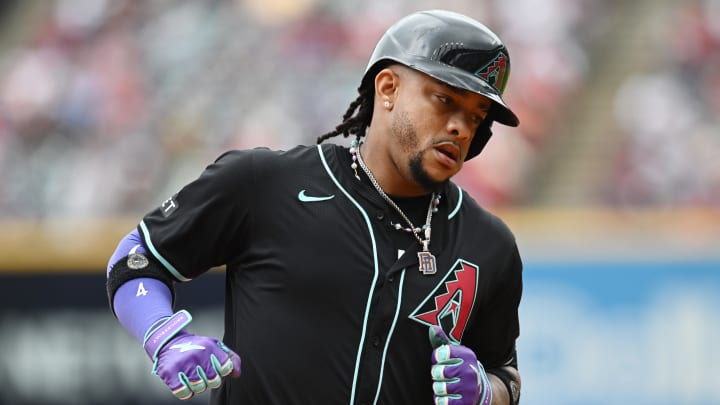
(324, 301)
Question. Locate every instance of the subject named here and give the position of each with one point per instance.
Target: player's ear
(386, 85)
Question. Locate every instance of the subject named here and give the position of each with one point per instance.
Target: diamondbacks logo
(495, 72)
(450, 303)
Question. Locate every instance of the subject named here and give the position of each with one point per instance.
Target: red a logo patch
(452, 301)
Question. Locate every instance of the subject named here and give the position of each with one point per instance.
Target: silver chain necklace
(426, 259)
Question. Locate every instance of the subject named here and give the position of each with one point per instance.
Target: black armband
(511, 384)
(136, 265)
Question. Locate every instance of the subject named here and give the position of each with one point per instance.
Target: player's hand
(458, 377)
(188, 364)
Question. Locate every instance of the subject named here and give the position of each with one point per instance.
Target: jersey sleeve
(202, 225)
(497, 328)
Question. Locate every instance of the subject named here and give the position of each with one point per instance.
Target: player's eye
(443, 98)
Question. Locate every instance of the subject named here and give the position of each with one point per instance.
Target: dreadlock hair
(355, 124)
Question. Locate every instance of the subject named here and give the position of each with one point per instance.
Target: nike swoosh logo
(309, 198)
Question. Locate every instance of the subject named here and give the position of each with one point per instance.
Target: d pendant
(426, 262)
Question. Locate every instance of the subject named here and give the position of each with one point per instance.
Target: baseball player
(354, 275)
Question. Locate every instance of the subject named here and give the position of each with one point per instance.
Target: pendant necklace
(426, 260)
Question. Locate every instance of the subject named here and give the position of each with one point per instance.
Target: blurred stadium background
(611, 183)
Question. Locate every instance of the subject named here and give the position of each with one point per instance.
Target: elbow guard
(136, 265)
(130, 261)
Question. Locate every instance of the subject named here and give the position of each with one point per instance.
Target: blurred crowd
(670, 117)
(107, 107)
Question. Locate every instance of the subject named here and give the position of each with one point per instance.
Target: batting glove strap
(158, 335)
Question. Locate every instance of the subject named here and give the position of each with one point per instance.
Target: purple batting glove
(188, 364)
(458, 377)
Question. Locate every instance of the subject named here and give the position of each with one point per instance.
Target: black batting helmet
(456, 50)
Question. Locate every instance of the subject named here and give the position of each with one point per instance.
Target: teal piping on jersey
(390, 333)
(158, 256)
(376, 266)
(459, 203)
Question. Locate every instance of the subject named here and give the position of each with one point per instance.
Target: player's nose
(461, 125)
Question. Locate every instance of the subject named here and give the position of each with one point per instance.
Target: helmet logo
(495, 72)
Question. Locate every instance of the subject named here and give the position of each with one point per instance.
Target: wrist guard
(159, 334)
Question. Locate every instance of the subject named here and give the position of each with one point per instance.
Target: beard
(408, 140)
(421, 176)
